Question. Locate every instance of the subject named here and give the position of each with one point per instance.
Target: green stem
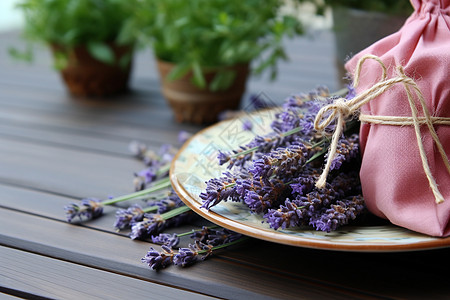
(159, 185)
(150, 209)
(164, 169)
(195, 230)
(175, 212)
(225, 245)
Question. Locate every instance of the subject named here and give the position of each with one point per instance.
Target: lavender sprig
(90, 208)
(93, 208)
(185, 256)
(338, 214)
(153, 224)
(159, 260)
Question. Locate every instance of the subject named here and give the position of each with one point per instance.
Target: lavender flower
(125, 217)
(247, 125)
(304, 182)
(183, 136)
(283, 162)
(152, 224)
(159, 260)
(348, 149)
(170, 202)
(222, 236)
(298, 211)
(90, 208)
(339, 214)
(220, 189)
(186, 256)
(288, 215)
(170, 240)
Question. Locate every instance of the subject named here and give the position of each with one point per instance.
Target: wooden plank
(360, 268)
(66, 171)
(37, 275)
(218, 276)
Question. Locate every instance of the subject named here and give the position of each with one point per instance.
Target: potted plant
(206, 48)
(91, 41)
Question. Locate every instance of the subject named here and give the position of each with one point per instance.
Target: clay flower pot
(84, 75)
(200, 106)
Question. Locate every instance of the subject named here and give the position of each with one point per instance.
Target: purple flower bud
(170, 240)
(158, 260)
(126, 217)
(247, 125)
(89, 208)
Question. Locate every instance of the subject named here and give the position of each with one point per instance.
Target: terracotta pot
(200, 106)
(86, 76)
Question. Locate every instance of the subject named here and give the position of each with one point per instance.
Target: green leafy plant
(202, 34)
(70, 23)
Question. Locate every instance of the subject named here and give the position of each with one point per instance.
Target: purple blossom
(168, 203)
(220, 189)
(144, 177)
(288, 215)
(152, 224)
(186, 256)
(159, 260)
(89, 208)
(257, 102)
(283, 162)
(170, 240)
(304, 182)
(347, 150)
(338, 214)
(247, 125)
(222, 236)
(126, 217)
(183, 136)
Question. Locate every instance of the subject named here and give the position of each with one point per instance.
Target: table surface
(56, 149)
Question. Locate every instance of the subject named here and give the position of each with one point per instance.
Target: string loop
(342, 108)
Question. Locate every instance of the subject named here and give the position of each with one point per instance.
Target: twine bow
(343, 108)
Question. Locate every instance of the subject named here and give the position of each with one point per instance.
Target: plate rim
(292, 240)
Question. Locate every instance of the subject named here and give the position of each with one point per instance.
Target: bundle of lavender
(155, 208)
(275, 175)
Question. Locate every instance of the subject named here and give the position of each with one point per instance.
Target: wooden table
(55, 149)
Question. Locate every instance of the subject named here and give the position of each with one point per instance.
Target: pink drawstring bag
(405, 173)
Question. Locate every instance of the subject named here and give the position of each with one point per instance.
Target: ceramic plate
(197, 162)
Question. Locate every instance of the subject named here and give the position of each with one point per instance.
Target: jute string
(343, 108)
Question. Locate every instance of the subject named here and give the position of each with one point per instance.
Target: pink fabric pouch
(392, 174)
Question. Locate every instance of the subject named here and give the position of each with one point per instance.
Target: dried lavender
(186, 256)
(221, 189)
(170, 240)
(90, 208)
(347, 149)
(159, 260)
(338, 214)
(125, 217)
(282, 167)
(154, 224)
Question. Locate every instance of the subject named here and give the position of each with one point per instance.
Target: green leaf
(222, 80)
(101, 51)
(198, 77)
(179, 71)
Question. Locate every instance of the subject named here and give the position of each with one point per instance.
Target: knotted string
(343, 108)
